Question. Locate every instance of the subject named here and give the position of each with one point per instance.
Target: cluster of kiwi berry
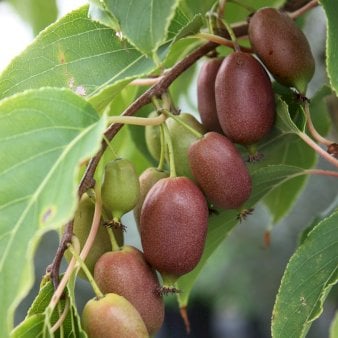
(236, 105)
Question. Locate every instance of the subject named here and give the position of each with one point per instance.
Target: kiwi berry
(181, 139)
(174, 219)
(126, 273)
(206, 94)
(120, 189)
(153, 139)
(282, 47)
(112, 316)
(81, 227)
(220, 171)
(147, 179)
(244, 99)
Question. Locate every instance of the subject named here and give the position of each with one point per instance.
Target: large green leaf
(79, 54)
(264, 180)
(331, 11)
(44, 135)
(308, 278)
(38, 13)
(144, 23)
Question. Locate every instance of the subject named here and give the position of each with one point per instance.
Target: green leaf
(76, 53)
(38, 13)
(44, 135)
(308, 277)
(34, 326)
(287, 148)
(334, 327)
(144, 23)
(264, 180)
(283, 120)
(331, 11)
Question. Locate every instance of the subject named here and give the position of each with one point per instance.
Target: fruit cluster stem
(87, 246)
(83, 266)
(170, 151)
(319, 138)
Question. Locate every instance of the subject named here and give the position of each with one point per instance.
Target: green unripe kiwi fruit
(220, 171)
(112, 316)
(126, 273)
(181, 139)
(153, 139)
(147, 179)
(174, 219)
(206, 94)
(282, 47)
(120, 188)
(81, 227)
(244, 99)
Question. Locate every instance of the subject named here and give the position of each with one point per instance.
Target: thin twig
(301, 11)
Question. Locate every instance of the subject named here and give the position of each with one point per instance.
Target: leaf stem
(62, 318)
(319, 138)
(304, 9)
(318, 149)
(83, 266)
(145, 82)
(321, 172)
(139, 121)
(222, 41)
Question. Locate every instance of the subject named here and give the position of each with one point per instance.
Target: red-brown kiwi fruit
(173, 223)
(283, 48)
(244, 99)
(112, 316)
(126, 273)
(220, 171)
(206, 94)
(147, 179)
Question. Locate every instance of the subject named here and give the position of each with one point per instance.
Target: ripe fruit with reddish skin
(81, 227)
(220, 171)
(147, 179)
(206, 94)
(126, 273)
(244, 99)
(174, 220)
(112, 316)
(181, 139)
(283, 48)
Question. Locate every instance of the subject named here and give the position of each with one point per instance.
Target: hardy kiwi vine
(159, 86)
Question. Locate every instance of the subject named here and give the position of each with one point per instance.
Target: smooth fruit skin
(153, 138)
(220, 171)
(244, 99)
(181, 139)
(147, 179)
(81, 227)
(112, 316)
(126, 273)
(206, 94)
(282, 47)
(120, 187)
(174, 220)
